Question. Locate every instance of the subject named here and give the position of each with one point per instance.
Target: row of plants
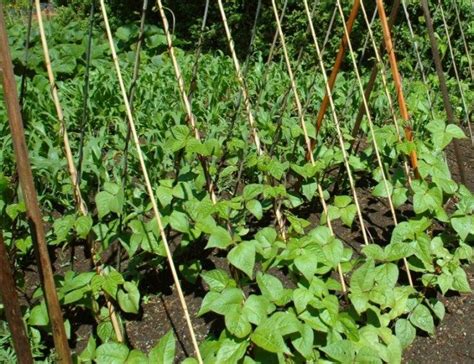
(277, 300)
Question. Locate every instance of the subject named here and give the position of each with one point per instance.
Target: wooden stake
(398, 83)
(31, 200)
(442, 84)
(12, 308)
(337, 65)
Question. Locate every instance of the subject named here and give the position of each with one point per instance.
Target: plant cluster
(277, 300)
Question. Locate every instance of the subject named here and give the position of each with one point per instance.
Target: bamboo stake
(373, 75)
(303, 126)
(442, 84)
(31, 200)
(416, 48)
(80, 203)
(248, 108)
(398, 83)
(456, 73)
(12, 306)
(463, 36)
(54, 92)
(337, 65)
(148, 185)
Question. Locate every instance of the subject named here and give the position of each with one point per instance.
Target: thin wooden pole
(337, 65)
(398, 83)
(31, 199)
(373, 75)
(442, 84)
(12, 308)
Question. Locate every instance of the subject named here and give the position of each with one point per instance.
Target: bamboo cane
(398, 83)
(31, 200)
(442, 83)
(12, 308)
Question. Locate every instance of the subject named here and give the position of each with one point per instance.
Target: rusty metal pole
(442, 84)
(12, 308)
(31, 199)
(398, 83)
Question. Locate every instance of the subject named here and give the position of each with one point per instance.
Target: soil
(161, 310)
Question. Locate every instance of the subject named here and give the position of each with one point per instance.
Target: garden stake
(54, 91)
(190, 118)
(248, 108)
(80, 203)
(463, 36)
(306, 137)
(383, 73)
(192, 84)
(442, 84)
(398, 84)
(148, 185)
(27, 56)
(373, 75)
(418, 57)
(31, 200)
(337, 66)
(9, 298)
(371, 126)
(456, 73)
(85, 101)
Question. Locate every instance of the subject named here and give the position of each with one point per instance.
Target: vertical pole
(373, 76)
(31, 200)
(398, 82)
(337, 64)
(442, 83)
(12, 308)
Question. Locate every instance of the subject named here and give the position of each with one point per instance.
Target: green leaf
(83, 226)
(301, 298)
(272, 288)
(363, 278)
(179, 221)
(39, 316)
(343, 351)
(269, 339)
(256, 308)
(255, 207)
(421, 318)
(136, 357)
(164, 350)
(112, 353)
(251, 191)
(387, 275)
(221, 302)
(129, 299)
(242, 257)
(304, 343)
(463, 226)
(460, 282)
(333, 252)
(217, 279)
(428, 200)
(111, 283)
(381, 189)
(405, 332)
(220, 238)
(231, 352)
(307, 264)
(236, 322)
(455, 131)
(124, 33)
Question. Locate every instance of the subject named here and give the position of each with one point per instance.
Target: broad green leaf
(272, 288)
(112, 353)
(111, 283)
(220, 238)
(255, 207)
(387, 275)
(39, 316)
(463, 226)
(256, 308)
(363, 278)
(236, 321)
(307, 264)
(83, 226)
(217, 279)
(342, 351)
(460, 282)
(179, 221)
(164, 350)
(269, 339)
(231, 352)
(405, 332)
(129, 298)
(421, 318)
(242, 257)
